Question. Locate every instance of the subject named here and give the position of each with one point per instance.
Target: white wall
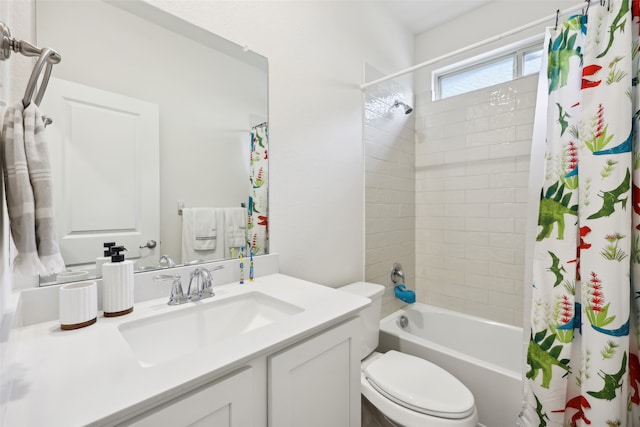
(316, 51)
(472, 170)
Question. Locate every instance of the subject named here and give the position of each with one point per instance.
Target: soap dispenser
(117, 284)
(100, 261)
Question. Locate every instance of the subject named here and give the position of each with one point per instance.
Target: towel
(29, 193)
(204, 229)
(189, 251)
(235, 229)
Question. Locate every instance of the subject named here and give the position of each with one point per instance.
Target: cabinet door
(226, 403)
(317, 383)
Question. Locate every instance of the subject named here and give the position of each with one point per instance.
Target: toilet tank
(369, 316)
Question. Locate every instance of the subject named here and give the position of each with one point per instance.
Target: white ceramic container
(78, 305)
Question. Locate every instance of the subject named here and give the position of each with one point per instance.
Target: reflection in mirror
(155, 122)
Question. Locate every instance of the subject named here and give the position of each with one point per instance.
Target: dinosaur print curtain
(582, 358)
(258, 217)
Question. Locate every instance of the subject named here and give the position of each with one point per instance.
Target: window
(489, 69)
(531, 61)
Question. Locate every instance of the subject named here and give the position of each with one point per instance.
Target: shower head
(407, 108)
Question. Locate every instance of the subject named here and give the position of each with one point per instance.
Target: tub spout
(404, 294)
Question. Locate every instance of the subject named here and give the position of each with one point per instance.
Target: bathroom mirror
(209, 94)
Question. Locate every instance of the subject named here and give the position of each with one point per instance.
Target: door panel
(105, 159)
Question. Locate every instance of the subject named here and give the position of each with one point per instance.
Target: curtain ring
(557, 17)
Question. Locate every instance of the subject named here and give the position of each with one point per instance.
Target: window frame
(515, 50)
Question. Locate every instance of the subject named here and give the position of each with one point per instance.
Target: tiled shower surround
(472, 171)
(471, 174)
(389, 189)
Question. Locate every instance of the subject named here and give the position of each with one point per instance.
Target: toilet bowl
(407, 390)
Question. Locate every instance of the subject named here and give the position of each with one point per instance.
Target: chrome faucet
(177, 294)
(166, 261)
(201, 283)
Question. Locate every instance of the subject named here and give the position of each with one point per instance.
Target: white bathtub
(486, 356)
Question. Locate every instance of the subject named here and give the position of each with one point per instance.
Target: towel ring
(43, 61)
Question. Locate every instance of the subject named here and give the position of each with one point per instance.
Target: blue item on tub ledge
(406, 295)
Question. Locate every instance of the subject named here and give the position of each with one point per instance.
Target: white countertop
(90, 376)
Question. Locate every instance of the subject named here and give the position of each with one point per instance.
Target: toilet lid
(419, 385)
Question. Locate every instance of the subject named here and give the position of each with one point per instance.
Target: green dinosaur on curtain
(556, 269)
(554, 205)
(560, 53)
(618, 24)
(611, 382)
(541, 356)
(612, 197)
(562, 118)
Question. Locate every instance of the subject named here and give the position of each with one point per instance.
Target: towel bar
(47, 57)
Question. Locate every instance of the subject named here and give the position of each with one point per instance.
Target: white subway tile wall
(472, 168)
(389, 189)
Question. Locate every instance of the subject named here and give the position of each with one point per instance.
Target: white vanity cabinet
(227, 402)
(316, 383)
(312, 383)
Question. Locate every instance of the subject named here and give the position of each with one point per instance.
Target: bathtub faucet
(397, 275)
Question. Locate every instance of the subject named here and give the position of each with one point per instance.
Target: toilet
(407, 390)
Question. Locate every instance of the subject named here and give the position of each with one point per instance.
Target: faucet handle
(177, 294)
(207, 291)
(194, 291)
(206, 284)
(201, 283)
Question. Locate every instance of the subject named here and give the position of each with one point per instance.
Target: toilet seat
(419, 385)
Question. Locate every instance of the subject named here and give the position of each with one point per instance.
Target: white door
(105, 158)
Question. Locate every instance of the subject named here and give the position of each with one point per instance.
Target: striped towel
(29, 192)
(205, 229)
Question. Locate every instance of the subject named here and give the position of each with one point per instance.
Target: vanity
(278, 351)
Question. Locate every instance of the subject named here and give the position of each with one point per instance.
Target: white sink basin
(164, 337)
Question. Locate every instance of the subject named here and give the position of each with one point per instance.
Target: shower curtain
(582, 358)
(258, 215)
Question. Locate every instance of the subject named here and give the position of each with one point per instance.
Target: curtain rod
(476, 45)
